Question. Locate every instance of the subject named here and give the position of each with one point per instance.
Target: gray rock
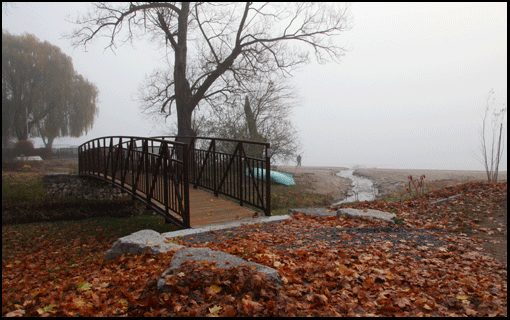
(221, 258)
(138, 242)
(367, 213)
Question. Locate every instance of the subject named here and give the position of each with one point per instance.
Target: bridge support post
(185, 182)
(268, 184)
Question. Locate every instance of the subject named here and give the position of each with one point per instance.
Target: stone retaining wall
(72, 186)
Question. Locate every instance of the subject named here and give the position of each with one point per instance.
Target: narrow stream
(362, 189)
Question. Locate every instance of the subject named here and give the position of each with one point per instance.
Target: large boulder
(223, 261)
(138, 242)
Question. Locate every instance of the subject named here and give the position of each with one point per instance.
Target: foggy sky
(409, 93)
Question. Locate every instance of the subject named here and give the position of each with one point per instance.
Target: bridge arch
(159, 170)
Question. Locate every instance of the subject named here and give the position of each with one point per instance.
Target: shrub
(417, 185)
(25, 148)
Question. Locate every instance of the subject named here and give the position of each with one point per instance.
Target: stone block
(221, 259)
(138, 242)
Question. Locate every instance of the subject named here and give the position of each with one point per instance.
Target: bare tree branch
(218, 47)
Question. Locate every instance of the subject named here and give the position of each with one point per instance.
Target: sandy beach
(324, 180)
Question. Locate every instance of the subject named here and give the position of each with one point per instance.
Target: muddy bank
(322, 180)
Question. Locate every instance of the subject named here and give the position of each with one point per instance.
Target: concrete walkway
(353, 213)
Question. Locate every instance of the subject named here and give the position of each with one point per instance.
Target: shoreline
(323, 180)
(393, 180)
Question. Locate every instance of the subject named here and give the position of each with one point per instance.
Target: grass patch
(23, 189)
(284, 198)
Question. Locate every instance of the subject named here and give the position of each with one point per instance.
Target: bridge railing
(231, 168)
(154, 171)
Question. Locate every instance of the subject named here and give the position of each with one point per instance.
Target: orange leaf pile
(329, 266)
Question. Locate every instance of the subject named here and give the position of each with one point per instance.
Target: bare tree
(217, 46)
(492, 138)
(261, 113)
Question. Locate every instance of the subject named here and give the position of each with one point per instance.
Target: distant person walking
(299, 160)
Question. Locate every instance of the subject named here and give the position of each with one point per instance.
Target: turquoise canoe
(276, 177)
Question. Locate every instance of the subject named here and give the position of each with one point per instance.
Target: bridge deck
(205, 208)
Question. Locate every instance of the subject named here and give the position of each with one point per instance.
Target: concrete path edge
(348, 212)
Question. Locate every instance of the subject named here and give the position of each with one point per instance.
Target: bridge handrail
(177, 163)
(260, 196)
(132, 137)
(154, 177)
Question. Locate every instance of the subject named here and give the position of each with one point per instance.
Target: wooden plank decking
(205, 208)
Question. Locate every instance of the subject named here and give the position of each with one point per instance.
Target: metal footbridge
(159, 171)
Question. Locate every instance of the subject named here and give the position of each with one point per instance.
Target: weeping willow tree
(42, 94)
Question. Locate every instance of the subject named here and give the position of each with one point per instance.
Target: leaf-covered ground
(432, 262)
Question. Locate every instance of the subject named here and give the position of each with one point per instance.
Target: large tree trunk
(49, 143)
(182, 87)
(184, 127)
(250, 120)
(256, 151)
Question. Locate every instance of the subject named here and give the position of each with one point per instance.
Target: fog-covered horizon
(408, 94)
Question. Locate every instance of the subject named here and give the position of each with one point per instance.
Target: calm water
(362, 189)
